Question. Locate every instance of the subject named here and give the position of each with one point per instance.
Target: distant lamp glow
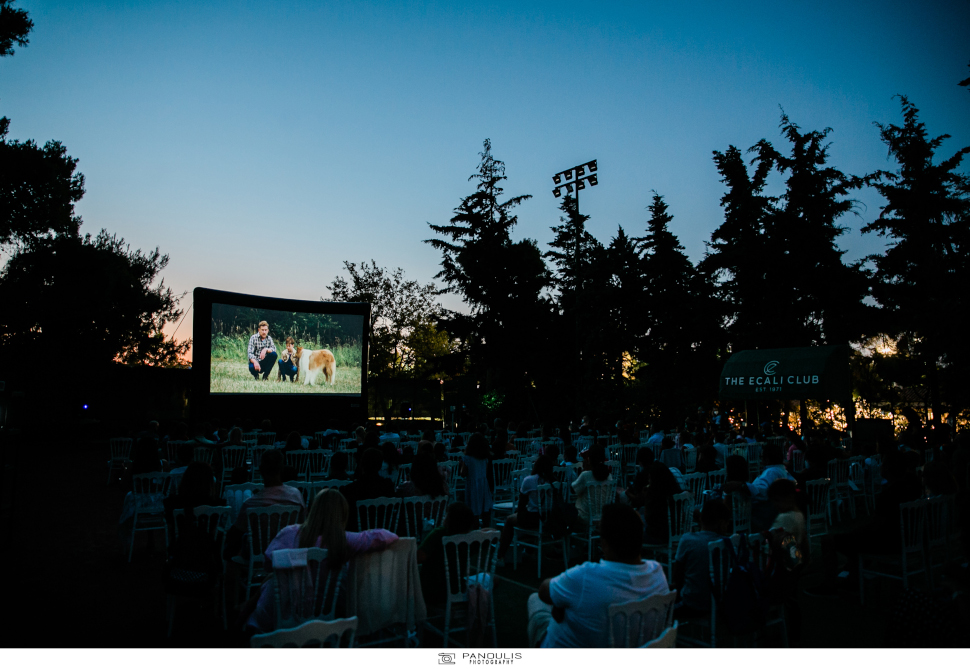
(85, 407)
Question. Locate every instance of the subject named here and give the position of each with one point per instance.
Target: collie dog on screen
(311, 363)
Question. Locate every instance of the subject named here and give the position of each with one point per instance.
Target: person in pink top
(325, 527)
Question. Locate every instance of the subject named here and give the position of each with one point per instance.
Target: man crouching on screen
(262, 352)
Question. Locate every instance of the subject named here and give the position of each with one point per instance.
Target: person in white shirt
(572, 609)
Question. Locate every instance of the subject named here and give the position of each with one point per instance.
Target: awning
(815, 372)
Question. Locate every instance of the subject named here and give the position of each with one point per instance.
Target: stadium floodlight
(580, 171)
(593, 180)
(556, 191)
(575, 177)
(557, 179)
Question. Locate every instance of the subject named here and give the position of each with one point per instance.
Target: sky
(262, 144)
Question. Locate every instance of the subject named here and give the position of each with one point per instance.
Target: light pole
(575, 178)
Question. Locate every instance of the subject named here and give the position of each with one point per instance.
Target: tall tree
(95, 295)
(500, 280)
(921, 281)
(780, 272)
(400, 307)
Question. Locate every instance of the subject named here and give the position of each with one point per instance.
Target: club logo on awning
(770, 367)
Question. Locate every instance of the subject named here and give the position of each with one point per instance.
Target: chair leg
(539, 558)
(444, 640)
(862, 584)
(134, 523)
(170, 610)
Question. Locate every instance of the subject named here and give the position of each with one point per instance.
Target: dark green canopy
(815, 372)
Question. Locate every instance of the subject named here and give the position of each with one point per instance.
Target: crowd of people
(570, 609)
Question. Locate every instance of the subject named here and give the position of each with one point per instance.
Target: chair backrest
(470, 559)
(203, 454)
(690, 460)
(740, 513)
(681, 515)
(257, 455)
(320, 438)
(351, 459)
(502, 472)
(672, 458)
(635, 623)
(741, 450)
(233, 456)
(326, 484)
(150, 483)
(798, 460)
(939, 517)
(719, 564)
(304, 591)
(120, 447)
(421, 509)
(818, 498)
(214, 520)
(403, 473)
(264, 523)
(838, 471)
(378, 513)
(305, 488)
(266, 438)
(666, 640)
(298, 461)
(312, 634)
(912, 521)
(172, 449)
(251, 437)
(522, 444)
(598, 495)
(695, 486)
(716, 478)
(237, 494)
(616, 469)
(318, 463)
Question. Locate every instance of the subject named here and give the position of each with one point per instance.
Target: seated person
(273, 492)
(657, 501)
(325, 527)
(691, 574)
(595, 470)
(635, 492)
(431, 553)
(425, 478)
(184, 455)
(572, 609)
(762, 511)
(198, 488)
(338, 466)
(368, 484)
(527, 513)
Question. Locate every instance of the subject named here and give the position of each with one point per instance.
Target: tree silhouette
(403, 312)
(499, 279)
(779, 271)
(15, 25)
(921, 281)
(94, 297)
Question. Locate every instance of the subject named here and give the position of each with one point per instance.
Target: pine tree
(921, 281)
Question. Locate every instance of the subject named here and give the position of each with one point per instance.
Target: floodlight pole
(575, 176)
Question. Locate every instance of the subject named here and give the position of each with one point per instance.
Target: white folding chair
(690, 464)
(857, 482)
(798, 460)
(317, 464)
(633, 624)
(378, 513)
(403, 474)
(265, 438)
(304, 587)
(263, 524)
(940, 510)
(502, 477)
(205, 455)
(838, 471)
(306, 489)
(120, 455)
(148, 491)
(237, 494)
(680, 519)
(215, 521)
(257, 457)
(538, 537)
(501, 510)
(716, 478)
(422, 510)
(817, 492)
(666, 640)
(911, 559)
(311, 634)
(232, 457)
(598, 494)
(719, 566)
(740, 513)
(695, 486)
(470, 561)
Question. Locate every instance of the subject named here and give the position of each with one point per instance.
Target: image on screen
(264, 351)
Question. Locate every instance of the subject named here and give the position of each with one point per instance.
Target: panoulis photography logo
(446, 658)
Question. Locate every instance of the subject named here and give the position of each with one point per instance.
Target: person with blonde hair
(325, 527)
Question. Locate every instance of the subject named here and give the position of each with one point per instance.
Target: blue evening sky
(260, 144)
